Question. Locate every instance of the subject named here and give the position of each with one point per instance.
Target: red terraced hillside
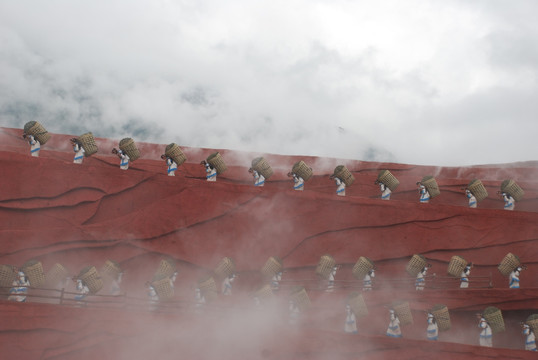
(58, 212)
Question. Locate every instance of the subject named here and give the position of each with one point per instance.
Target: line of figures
(85, 146)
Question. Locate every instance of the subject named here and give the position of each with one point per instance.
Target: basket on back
(262, 167)
(477, 189)
(456, 265)
(272, 266)
(8, 274)
(167, 267)
(111, 269)
(90, 277)
(225, 268)
(163, 287)
(37, 130)
(510, 187)
(508, 264)
(357, 304)
(416, 264)
(494, 317)
(88, 143)
(344, 174)
(388, 179)
(174, 152)
(56, 276)
(362, 267)
(208, 287)
(300, 297)
(217, 162)
(431, 185)
(264, 293)
(441, 316)
(33, 270)
(128, 146)
(302, 170)
(325, 266)
(403, 311)
(532, 321)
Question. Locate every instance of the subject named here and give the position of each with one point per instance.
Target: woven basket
(174, 152)
(510, 187)
(91, 279)
(300, 297)
(162, 286)
(264, 293)
(362, 267)
(532, 321)
(225, 268)
(7, 275)
(217, 162)
(127, 145)
(388, 179)
(88, 143)
(38, 131)
(508, 264)
(55, 276)
(344, 174)
(325, 266)
(357, 304)
(456, 265)
(302, 170)
(442, 316)
(111, 269)
(431, 185)
(33, 269)
(167, 267)
(477, 189)
(402, 310)
(262, 166)
(416, 264)
(208, 287)
(494, 317)
(272, 266)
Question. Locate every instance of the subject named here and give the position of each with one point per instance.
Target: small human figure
(259, 179)
(393, 329)
(464, 277)
(367, 281)
(153, 297)
(424, 194)
(275, 281)
(530, 338)
(340, 187)
(172, 166)
(472, 198)
(420, 282)
(211, 172)
(385, 191)
(298, 182)
(432, 331)
(485, 334)
(330, 280)
(227, 285)
(350, 326)
(199, 299)
(115, 285)
(82, 289)
(19, 288)
(294, 313)
(173, 279)
(257, 302)
(509, 201)
(79, 151)
(514, 278)
(35, 145)
(124, 158)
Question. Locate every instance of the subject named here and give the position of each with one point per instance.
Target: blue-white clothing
(350, 326)
(424, 194)
(79, 153)
(19, 289)
(367, 282)
(227, 285)
(509, 202)
(420, 282)
(35, 145)
(514, 279)
(82, 290)
(330, 282)
(464, 278)
(486, 333)
(211, 173)
(340, 187)
(275, 281)
(298, 183)
(432, 331)
(394, 327)
(172, 167)
(385, 191)
(124, 160)
(530, 339)
(472, 199)
(259, 179)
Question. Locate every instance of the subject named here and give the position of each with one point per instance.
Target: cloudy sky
(423, 82)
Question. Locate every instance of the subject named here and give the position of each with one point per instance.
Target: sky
(449, 83)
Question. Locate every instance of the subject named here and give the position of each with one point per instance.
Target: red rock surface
(55, 211)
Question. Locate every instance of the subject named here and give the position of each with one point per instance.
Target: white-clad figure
(35, 145)
(115, 285)
(385, 191)
(259, 179)
(124, 158)
(509, 201)
(472, 198)
(199, 299)
(79, 152)
(211, 172)
(485, 334)
(420, 281)
(432, 331)
(19, 288)
(171, 164)
(340, 187)
(350, 326)
(298, 182)
(172, 279)
(424, 194)
(367, 281)
(227, 285)
(294, 313)
(330, 280)
(257, 302)
(464, 277)
(393, 329)
(82, 290)
(153, 297)
(530, 338)
(275, 281)
(514, 278)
